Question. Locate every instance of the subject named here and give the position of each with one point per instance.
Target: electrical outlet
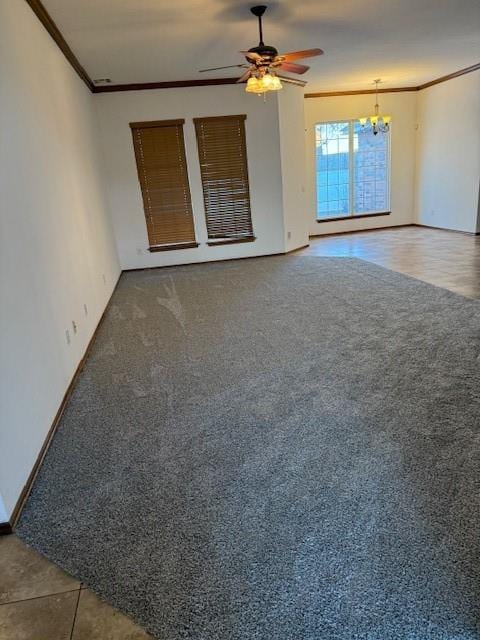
(85, 308)
(67, 336)
(104, 278)
(74, 326)
(139, 251)
(289, 235)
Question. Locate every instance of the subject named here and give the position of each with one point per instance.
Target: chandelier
(263, 82)
(379, 123)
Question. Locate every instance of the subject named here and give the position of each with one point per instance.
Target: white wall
(3, 511)
(292, 153)
(448, 154)
(402, 108)
(117, 110)
(57, 251)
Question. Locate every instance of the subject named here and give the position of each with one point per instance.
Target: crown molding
(49, 24)
(450, 76)
(174, 84)
(325, 94)
(420, 87)
(357, 92)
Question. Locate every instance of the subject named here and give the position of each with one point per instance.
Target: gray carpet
(274, 449)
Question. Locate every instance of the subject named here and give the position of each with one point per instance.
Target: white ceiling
(404, 42)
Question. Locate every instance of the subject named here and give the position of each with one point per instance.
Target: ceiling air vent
(100, 81)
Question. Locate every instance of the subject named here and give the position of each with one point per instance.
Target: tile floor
(38, 601)
(443, 258)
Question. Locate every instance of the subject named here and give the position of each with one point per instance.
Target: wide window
(223, 165)
(162, 172)
(352, 170)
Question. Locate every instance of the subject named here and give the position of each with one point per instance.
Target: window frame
(351, 215)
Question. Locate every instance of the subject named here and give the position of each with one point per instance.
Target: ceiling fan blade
(298, 83)
(296, 55)
(230, 66)
(245, 76)
(251, 55)
(292, 67)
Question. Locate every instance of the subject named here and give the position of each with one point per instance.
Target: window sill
(355, 217)
(214, 243)
(173, 247)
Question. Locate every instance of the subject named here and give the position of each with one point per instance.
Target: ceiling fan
(264, 62)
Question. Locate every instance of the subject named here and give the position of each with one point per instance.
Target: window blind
(223, 165)
(162, 172)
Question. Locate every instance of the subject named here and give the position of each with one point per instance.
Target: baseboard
(5, 528)
(396, 226)
(429, 226)
(8, 527)
(186, 264)
(386, 228)
(304, 246)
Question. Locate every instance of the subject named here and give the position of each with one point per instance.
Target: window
(162, 172)
(223, 165)
(352, 170)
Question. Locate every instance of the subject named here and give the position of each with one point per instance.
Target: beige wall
(292, 153)
(57, 251)
(402, 108)
(448, 154)
(117, 110)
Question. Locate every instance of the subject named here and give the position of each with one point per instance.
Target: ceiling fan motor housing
(259, 10)
(264, 50)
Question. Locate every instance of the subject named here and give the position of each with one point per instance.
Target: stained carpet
(274, 449)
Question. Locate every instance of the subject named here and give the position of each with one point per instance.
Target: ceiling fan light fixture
(275, 84)
(267, 82)
(271, 82)
(254, 85)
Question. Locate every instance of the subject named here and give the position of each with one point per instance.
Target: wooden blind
(162, 172)
(223, 164)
